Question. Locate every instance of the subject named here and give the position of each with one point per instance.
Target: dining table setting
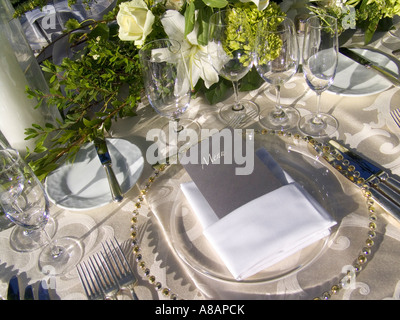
(307, 212)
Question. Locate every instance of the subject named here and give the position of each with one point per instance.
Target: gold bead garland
(323, 150)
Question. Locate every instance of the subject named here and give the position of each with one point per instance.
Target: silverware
(13, 289)
(119, 265)
(384, 188)
(241, 119)
(96, 278)
(105, 159)
(107, 274)
(28, 295)
(43, 291)
(388, 74)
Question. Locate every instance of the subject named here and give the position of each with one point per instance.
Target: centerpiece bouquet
(366, 15)
(102, 82)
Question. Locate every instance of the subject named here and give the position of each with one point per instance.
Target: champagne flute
(231, 54)
(320, 59)
(277, 58)
(24, 201)
(168, 87)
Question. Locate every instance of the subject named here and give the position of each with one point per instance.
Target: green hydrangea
(239, 37)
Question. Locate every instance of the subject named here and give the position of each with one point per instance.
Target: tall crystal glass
(277, 58)
(24, 201)
(168, 86)
(320, 59)
(231, 54)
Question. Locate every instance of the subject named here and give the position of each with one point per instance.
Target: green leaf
(216, 3)
(203, 21)
(189, 17)
(218, 92)
(251, 81)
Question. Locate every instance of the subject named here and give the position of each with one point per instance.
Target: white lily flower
(261, 4)
(195, 56)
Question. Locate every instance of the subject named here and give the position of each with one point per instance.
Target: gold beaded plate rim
(319, 150)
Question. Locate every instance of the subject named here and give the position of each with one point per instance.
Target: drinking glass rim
(146, 57)
(15, 156)
(219, 12)
(327, 16)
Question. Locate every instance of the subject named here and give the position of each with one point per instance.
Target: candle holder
(19, 69)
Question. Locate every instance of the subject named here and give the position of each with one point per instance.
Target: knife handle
(389, 192)
(392, 183)
(115, 188)
(386, 203)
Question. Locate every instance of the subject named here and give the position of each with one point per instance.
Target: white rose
(135, 21)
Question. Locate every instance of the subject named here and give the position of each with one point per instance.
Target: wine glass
(320, 59)
(230, 51)
(168, 87)
(277, 58)
(24, 201)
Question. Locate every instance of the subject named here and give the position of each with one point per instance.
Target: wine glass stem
(178, 127)
(317, 120)
(237, 106)
(56, 251)
(278, 113)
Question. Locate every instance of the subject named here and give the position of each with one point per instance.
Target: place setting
(220, 152)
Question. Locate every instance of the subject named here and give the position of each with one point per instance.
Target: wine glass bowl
(277, 58)
(320, 59)
(230, 52)
(167, 84)
(24, 202)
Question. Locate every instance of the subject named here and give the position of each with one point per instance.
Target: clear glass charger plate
(334, 192)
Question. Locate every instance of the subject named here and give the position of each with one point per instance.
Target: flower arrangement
(103, 81)
(368, 15)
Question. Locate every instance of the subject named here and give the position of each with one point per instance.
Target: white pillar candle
(16, 110)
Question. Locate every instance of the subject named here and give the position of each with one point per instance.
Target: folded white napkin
(264, 231)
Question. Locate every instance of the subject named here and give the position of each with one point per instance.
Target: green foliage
(370, 15)
(104, 84)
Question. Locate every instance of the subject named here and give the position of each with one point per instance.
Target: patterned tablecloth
(365, 124)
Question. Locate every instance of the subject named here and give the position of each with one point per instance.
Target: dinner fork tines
(120, 267)
(396, 116)
(241, 119)
(97, 280)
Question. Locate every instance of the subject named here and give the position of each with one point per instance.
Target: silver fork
(119, 265)
(396, 116)
(97, 280)
(241, 119)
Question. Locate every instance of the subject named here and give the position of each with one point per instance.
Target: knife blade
(43, 291)
(386, 73)
(384, 188)
(13, 289)
(28, 295)
(105, 159)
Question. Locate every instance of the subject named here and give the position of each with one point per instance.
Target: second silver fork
(242, 119)
(120, 267)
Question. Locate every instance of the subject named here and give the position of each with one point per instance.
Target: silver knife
(384, 188)
(13, 289)
(105, 159)
(28, 295)
(43, 291)
(388, 74)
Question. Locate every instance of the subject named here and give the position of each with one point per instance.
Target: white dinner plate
(353, 79)
(83, 184)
